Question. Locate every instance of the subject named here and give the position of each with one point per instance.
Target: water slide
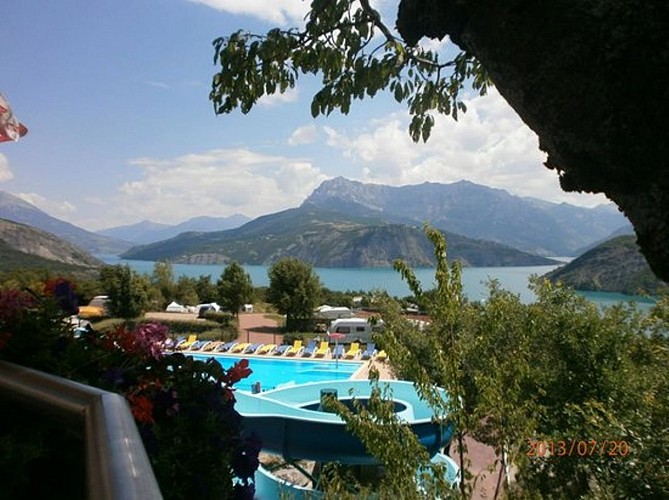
(289, 422)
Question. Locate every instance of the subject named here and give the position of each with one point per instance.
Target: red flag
(10, 128)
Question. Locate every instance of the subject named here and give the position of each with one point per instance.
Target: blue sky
(115, 97)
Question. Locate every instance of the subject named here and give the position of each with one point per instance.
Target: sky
(121, 129)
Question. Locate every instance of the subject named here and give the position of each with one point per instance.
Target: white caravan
(353, 329)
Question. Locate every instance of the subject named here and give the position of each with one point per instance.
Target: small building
(247, 308)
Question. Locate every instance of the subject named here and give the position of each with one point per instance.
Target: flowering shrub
(183, 408)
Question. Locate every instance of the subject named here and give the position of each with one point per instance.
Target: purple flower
(150, 338)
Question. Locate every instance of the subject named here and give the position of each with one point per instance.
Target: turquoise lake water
(474, 279)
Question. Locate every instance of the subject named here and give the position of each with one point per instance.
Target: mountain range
(616, 265)
(22, 247)
(480, 212)
(114, 240)
(15, 209)
(149, 232)
(345, 223)
(326, 238)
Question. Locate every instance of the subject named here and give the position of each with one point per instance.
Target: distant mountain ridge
(467, 212)
(478, 212)
(616, 265)
(326, 238)
(24, 246)
(145, 232)
(15, 209)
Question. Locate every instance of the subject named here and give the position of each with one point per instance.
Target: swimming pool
(273, 372)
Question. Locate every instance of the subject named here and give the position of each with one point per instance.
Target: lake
(474, 279)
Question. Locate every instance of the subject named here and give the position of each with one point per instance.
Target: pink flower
(150, 338)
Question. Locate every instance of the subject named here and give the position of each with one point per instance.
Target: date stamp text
(577, 448)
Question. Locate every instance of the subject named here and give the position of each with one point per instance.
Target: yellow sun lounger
(323, 350)
(382, 356)
(295, 349)
(266, 349)
(353, 351)
(241, 347)
(185, 345)
(212, 345)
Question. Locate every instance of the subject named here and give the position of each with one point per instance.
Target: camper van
(354, 329)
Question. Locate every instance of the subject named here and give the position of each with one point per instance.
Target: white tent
(329, 312)
(175, 307)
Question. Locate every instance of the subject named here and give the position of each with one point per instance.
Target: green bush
(221, 317)
(290, 337)
(205, 330)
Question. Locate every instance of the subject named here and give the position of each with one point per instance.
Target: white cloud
(281, 12)
(307, 134)
(284, 12)
(434, 45)
(160, 85)
(58, 209)
(217, 182)
(5, 172)
(271, 100)
(489, 145)
(387, 150)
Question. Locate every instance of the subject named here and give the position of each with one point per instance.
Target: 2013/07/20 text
(577, 448)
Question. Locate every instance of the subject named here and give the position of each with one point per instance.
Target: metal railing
(117, 467)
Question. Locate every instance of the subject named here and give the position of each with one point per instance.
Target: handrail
(116, 462)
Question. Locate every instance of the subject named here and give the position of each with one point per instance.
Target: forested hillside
(327, 238)
(616, 265)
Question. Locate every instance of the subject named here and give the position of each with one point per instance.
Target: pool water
(273, 373)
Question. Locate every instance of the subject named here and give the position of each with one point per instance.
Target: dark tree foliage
(234, 288)
(294, 289)
(127, 291)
